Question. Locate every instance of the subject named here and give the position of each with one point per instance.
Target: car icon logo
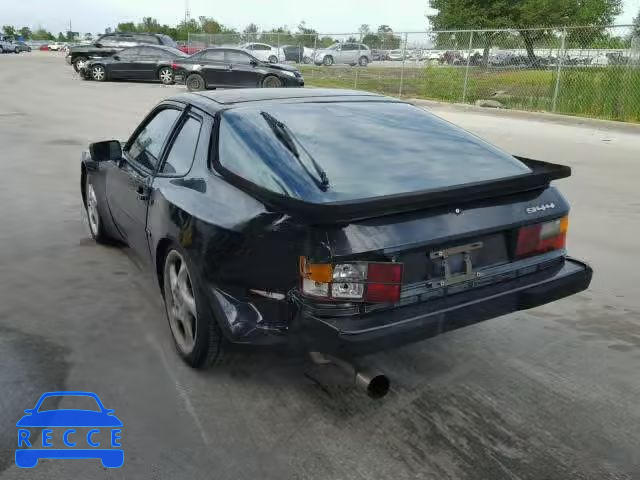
(70, 433)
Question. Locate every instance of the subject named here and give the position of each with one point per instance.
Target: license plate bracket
(455, 264)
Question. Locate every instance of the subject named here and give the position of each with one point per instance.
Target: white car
(56, 46)
(6, 45)
(264, 52)
(396, 55)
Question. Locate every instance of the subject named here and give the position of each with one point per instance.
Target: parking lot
(550, 393)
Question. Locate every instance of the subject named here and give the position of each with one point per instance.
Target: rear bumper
(348, 336)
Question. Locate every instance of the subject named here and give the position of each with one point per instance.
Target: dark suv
(111, 43)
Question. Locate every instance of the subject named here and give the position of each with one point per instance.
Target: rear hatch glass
(350, 151)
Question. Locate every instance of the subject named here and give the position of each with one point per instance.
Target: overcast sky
(327, 16)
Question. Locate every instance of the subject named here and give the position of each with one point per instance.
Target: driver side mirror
(116, 57)
(99, 45)
(105, 151)
(253, 62)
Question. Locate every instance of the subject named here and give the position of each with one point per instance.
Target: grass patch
(611, 92)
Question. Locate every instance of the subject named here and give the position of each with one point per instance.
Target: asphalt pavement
(551, 393)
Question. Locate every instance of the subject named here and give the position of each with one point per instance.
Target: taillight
(542, 237)
(174, 66)
(374, 282)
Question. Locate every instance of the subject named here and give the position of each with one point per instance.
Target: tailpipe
(373, 382)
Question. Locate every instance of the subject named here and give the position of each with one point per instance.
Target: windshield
(365, 149)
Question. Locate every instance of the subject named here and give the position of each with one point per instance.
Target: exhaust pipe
(375, 383)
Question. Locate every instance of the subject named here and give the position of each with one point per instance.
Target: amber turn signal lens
(318, 272)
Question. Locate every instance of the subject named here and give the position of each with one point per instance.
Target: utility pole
(187, 13)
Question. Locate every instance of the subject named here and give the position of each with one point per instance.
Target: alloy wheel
(92, 210)
(180, 302)
(98, 73)
(166, 76)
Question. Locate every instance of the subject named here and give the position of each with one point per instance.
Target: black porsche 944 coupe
(333, 221)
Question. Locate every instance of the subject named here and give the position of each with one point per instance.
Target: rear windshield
(347, 151)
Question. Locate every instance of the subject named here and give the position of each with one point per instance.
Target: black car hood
(281, 66)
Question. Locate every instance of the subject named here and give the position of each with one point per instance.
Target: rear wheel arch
(162, 248)
(83, 187)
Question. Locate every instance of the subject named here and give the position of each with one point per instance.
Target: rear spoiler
(541, 175)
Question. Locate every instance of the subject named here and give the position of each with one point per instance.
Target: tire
(195, 82)
(96, 226)
(79, 62)
(17, 50)
(165, 75)
(306, 60)
(363, 61)
(196, 333)
(272, 59)
(327, 61)
(271, 81)
(98, 73)
(28, 49)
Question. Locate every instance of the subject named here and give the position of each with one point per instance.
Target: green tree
(149, 25)
(326, 41)
(42, 34)
(61, 37)
(387, 39)
(635, 31)
(183, 29)
(521, 14)
(25, 32)
(126, 27)
(209, 25)
(305, 35)
(9, 30)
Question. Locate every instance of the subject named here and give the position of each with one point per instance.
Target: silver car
(349, 53)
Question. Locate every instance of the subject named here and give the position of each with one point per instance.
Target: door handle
(142, 192)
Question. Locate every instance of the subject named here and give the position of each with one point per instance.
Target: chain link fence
(586, 71)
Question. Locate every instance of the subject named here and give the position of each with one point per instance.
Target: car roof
(217, 100)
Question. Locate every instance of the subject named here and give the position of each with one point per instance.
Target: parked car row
(112, 43)
(207, 69)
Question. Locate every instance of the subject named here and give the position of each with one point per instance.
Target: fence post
(313, 57)
(466, 72)
(559, 69)
(404, 51)
(355, 81)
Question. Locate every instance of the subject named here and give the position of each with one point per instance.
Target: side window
(263, 47)
(348, 47)
(238, 58)
(146, 39)
(150, 52)
(107, 40)
(183, 149)
(214, 55)
(125, 41)
(147, 146)
(251, 46)
(129, 53)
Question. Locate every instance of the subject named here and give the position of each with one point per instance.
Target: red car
(189, 49)
(44, 47)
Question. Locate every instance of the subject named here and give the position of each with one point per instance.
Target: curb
(522, 114)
